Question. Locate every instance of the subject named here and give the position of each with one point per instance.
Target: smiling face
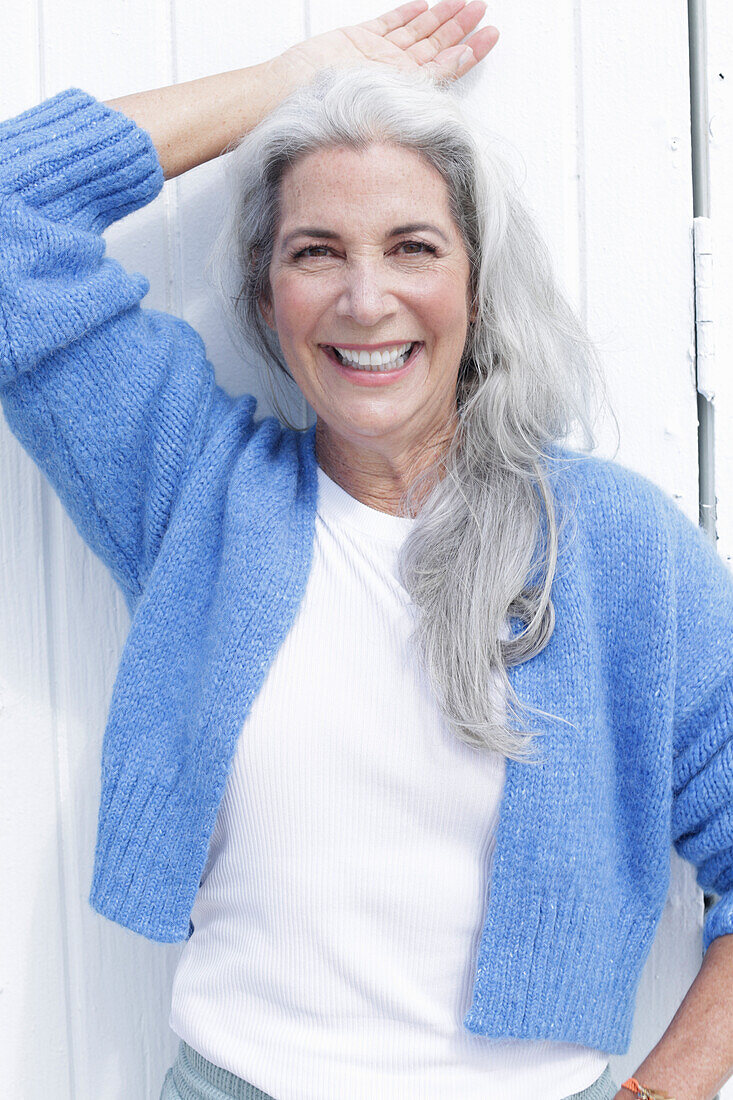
(367, 256)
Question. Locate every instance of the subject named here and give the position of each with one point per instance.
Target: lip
(372, 378)
(371, 347)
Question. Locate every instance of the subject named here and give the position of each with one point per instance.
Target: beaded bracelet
(644, 1094)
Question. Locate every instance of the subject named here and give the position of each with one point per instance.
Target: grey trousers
(193, 1077)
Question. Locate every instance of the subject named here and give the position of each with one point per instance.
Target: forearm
(694, 1057)
(193, 122)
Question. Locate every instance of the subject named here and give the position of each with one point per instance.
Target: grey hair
(484, 544)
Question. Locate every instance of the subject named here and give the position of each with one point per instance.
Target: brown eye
(310, 248)
(417, 244)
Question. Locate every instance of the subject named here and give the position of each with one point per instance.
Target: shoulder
(606, 484)
(630, 518)
(617, 509)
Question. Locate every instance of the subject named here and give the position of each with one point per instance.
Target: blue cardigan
(205, 517)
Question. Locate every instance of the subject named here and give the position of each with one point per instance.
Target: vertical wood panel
(639, 233)
(22, 32)
(34, 1025)
(720, 102)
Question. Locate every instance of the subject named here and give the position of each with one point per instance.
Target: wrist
(282, 74)
(256, 91)
(633, 1087)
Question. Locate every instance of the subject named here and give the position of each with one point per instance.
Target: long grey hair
(484, 545)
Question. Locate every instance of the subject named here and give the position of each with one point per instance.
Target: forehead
(378, 184)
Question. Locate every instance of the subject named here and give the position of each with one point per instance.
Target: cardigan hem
(509, 1002)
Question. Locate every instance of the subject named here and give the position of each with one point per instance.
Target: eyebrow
(327, 234)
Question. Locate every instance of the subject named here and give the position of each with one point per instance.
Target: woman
(346, 641)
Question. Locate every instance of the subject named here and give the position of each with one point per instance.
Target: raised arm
(110, 400)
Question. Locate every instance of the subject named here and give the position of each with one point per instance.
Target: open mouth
(392, 360)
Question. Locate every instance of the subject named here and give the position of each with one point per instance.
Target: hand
(409, 37)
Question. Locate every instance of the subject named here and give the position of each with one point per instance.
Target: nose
(365, 296)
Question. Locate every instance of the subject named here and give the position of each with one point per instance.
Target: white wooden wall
(593, 102)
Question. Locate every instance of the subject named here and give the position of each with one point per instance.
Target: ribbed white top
(337, 923)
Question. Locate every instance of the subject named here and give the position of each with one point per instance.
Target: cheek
(442, 301)
(298, 302)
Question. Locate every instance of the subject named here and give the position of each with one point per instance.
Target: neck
(376, 478)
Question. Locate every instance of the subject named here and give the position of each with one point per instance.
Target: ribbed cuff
(152, 845)
(78, 160)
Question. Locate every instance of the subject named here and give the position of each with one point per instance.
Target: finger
(446, 63)
(425, 24)
(449, 34)
(391, 20)
(482, 42)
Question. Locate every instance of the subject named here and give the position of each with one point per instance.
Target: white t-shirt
(337, 924)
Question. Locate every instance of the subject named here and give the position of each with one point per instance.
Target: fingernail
(466, 56)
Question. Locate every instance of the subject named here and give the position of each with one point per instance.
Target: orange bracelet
(644, 1094)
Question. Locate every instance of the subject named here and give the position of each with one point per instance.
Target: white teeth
(387, 359)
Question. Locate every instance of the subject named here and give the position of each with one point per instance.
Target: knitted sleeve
(702, 808)
(110, 400)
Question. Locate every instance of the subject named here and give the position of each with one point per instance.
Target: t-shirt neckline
(335, 504)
